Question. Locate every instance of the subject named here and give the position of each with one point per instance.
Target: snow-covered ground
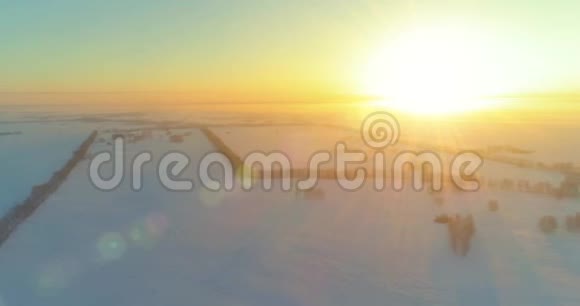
(299, 143)
(156, 247)
(32, 154)
(35, 144)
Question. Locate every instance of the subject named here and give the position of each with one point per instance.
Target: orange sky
(256, 51)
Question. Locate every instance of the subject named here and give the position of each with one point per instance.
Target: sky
(255, 50)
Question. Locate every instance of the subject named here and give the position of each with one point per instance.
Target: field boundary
(40, 193)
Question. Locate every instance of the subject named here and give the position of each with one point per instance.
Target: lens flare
(111, 246)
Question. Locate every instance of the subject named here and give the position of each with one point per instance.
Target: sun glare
(431, 71)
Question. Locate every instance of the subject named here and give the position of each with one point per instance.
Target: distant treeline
(569, 187)
(40, 193)
(10, 133)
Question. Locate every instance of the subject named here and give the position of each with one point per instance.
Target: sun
(435, 70)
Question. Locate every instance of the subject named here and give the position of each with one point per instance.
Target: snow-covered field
(84, 246)
(32, 154)
(300, 143)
